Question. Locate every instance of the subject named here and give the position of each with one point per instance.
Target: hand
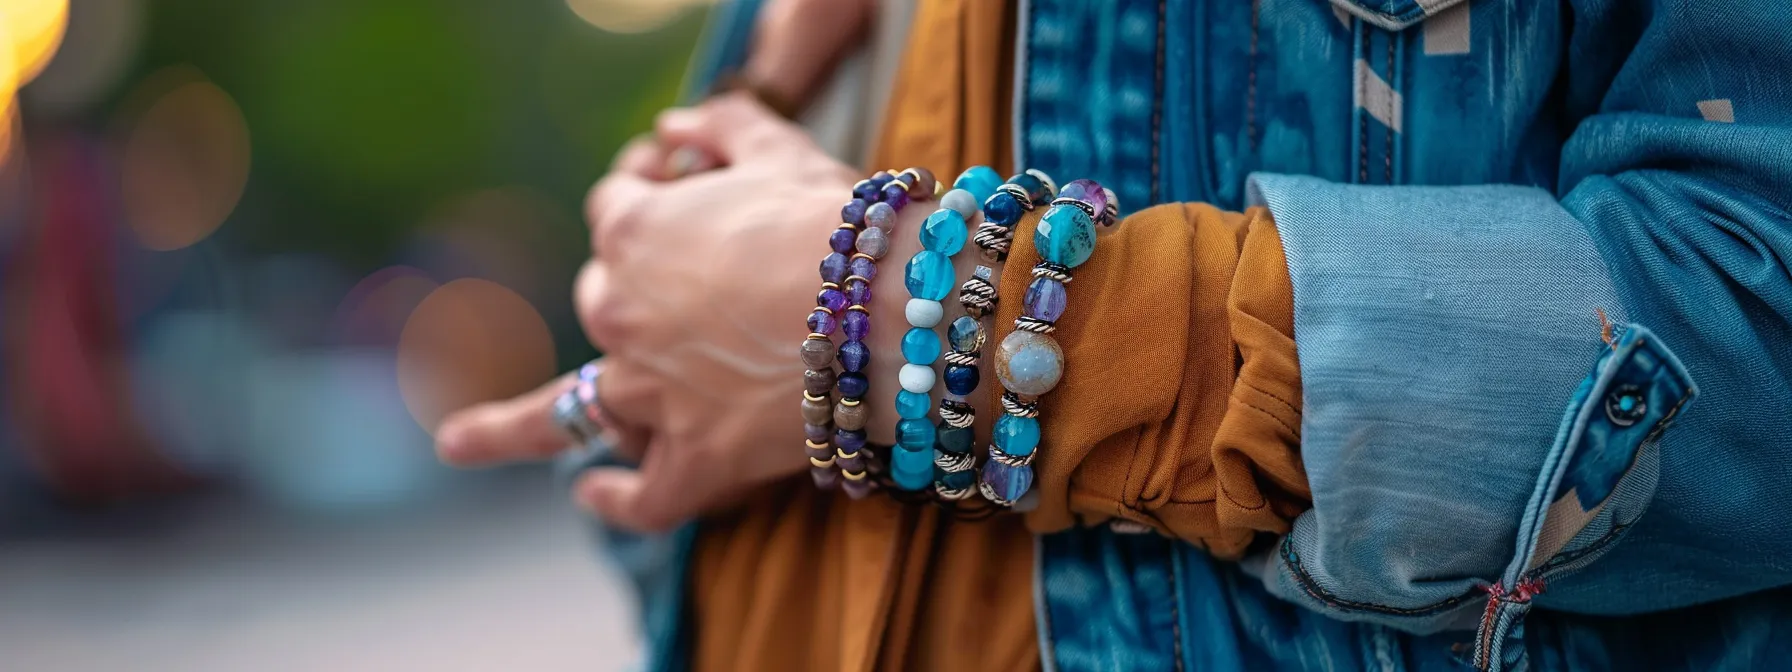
(696, 293)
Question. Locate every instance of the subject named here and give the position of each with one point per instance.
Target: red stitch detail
(1605, 329)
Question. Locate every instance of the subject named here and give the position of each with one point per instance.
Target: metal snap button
(1626, 405)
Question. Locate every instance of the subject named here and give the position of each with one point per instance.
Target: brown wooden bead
(816, 411)
(819, 382)
(818, 353)
(850, 417)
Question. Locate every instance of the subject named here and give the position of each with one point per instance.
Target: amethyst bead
(1087, 191)
(862, 267)
(842, 240)
(882, 179)
(820, 322)
(880, 216)
(866, 191)
(831, 299)
(816, 433)
(854, 211)
(854, 385)
(857, 325)
(854, 355)
(833, 268)
(858, 292)
(1045, 299)
(896, 196)
(849, 440)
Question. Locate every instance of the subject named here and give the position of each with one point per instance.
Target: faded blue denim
(1630, 157)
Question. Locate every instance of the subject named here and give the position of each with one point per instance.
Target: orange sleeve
(1180, 402)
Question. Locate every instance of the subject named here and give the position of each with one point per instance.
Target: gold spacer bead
(818, 337)
(862, 255)
(859, 278)
(824, 309)
(811, 397)
(829, 285)
(846, 402)
(859, 308)
(814, 445)
(853, 476)
(821, 463)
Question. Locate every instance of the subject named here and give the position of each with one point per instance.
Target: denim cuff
(1440, 332)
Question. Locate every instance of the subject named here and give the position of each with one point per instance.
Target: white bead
(916, 378)
(924, 313)
(962, 201)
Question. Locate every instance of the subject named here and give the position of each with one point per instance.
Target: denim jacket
(1465, 190)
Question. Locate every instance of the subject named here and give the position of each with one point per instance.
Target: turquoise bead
(910, 405)
(920, 346)
(955, 480)
(981, 181)
(944, 232)
(1016, 435)
(911, 469)
(916, 434)
(929, 276)
(1066, 235)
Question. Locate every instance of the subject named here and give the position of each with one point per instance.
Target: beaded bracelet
(876, 202)
(1029, 361)
(1003, 209)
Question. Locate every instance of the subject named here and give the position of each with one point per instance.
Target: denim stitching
(1312, 589)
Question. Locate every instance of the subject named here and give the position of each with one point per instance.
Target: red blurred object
(66, 347)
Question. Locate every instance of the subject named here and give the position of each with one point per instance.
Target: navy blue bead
(955, 440)
(961, 380)
(866, 191)
(1002, 209)
(853, 385)
(955, 480)
(849, 441)
(854, 355)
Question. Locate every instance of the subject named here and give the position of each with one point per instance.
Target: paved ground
(501, 577)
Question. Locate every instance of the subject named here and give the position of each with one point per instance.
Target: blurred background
(251, 250)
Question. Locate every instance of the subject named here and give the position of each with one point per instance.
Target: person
(1434, 333)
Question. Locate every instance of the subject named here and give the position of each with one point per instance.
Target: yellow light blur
(35, 28)
(470, 341)
(9, 86)
(631, 16)
(185, 162)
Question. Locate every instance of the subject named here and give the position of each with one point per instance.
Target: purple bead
(842, 240)
(853, 385)
(1087, 191)
(826, 478)
(823, 453)
(857, 324)
(820, 322)
(854, 355)
(858, 292)
(866, 191)
(854, 211)
(849, 441)
(862, 267)
(907, 178)
(882, 178)
(1045, 299)
(881, 215)
(896, 196)
(858, 489)
(831, 299)
(853, 461)
(833, 268)
(816, 433)
(1009, 483)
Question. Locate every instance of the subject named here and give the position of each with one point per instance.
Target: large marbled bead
(914, 433)
(1066, 235)
(1008, 483)
(929, 275)
(1029, 363)
(944, 232)
(1016, 435)
(980, 181)
(911, 469)
(1045, 299)
(1087, 191)
(920, 346)
(965, 334)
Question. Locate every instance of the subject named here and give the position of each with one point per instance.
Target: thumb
(730, 128)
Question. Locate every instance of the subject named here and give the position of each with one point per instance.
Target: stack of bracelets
(929, 458)
(834, 435)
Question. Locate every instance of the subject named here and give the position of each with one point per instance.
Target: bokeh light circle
(185, 164)
(469, 341)
(35, 28)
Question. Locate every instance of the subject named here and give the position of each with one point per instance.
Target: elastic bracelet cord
(1029, 361)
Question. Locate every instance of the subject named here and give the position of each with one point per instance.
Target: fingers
(642, 157)
(520, 428)
(667, 490)
(731, 128)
